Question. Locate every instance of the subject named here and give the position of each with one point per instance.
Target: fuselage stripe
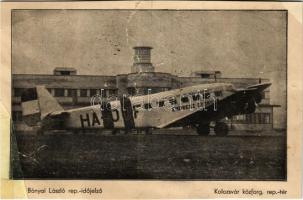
(127, 113)
(107, 115)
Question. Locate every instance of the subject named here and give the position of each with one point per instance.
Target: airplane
(196, 106)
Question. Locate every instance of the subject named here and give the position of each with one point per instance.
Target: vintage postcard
(151, 99)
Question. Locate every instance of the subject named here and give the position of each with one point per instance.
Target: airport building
(73, 90)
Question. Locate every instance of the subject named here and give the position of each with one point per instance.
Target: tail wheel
(203, 129)
(221, 129)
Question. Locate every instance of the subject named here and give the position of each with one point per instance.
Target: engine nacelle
(249, 107)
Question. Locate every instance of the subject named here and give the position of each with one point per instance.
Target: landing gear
(221, 129)
(40, 132)
(203, 129)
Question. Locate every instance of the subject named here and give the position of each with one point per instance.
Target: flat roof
(142, 47)
(64, 69)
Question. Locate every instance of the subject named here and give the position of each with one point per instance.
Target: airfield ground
(174, 155)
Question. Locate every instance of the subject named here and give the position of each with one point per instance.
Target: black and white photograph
(141, 94)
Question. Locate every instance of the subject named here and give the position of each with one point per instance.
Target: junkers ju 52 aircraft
(197, 106)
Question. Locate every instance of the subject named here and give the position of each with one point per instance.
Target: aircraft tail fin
(36, 104)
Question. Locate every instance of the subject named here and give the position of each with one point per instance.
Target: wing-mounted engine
(246, 100)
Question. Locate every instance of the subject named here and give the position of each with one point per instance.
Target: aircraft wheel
(203, 129)
(221, 129)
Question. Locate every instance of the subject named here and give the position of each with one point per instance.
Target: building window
(147, 91)
(83, 92)
(205, 75)
(71, 92)
(218, 93)
(103, 92)
(137, 107)
(267, 118)
(131, 91)
(59, 92)
(172, 101)
(93, 92)
(206, 95)
(18, 92)
(239, 118)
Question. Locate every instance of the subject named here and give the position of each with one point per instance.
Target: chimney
(142, 60)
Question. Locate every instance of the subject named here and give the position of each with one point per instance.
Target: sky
(248, 44)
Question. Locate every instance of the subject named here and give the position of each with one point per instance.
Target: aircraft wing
(195, 115)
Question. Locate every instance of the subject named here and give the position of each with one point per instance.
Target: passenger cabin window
(196, 97)
(18, 92)
(83, 93)
(218, 93)
(138, 106)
